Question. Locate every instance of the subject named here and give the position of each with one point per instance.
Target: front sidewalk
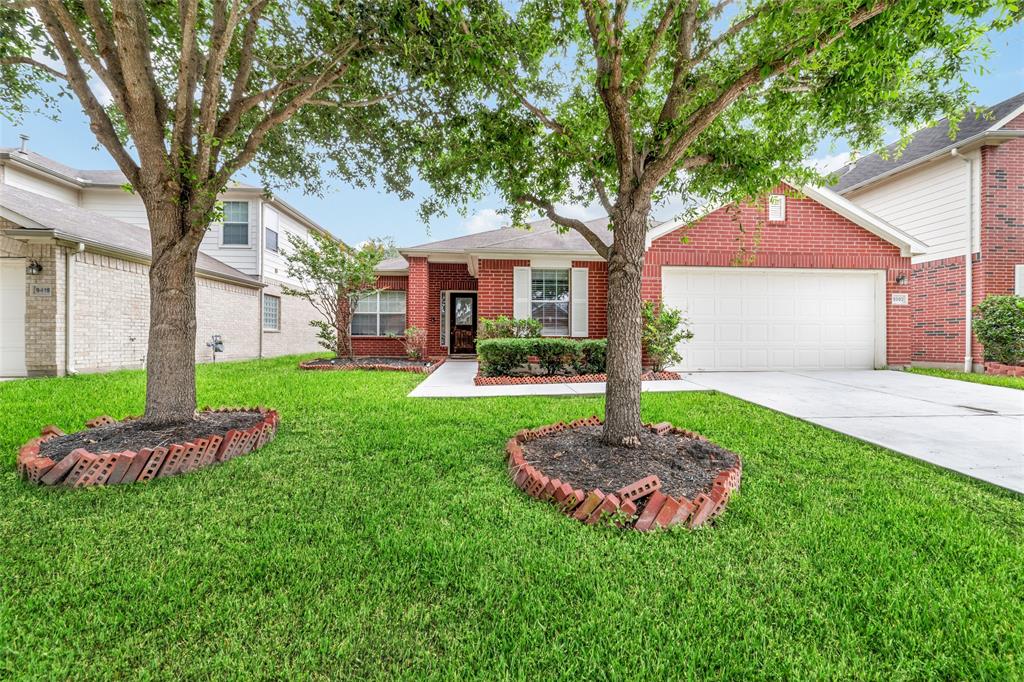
(454, 379)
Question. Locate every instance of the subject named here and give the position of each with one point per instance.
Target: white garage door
(774, 319)
(12, 317)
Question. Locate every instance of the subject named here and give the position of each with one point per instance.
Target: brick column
(417, 301)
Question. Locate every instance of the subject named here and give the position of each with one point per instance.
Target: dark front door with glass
(462, 323)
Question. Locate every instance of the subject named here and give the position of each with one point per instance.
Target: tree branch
(37, 64)
(571, 223)
(652, 51)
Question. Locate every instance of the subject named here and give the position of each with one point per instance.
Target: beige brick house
(74, 289)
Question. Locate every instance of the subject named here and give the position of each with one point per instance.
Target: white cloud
(483, 220)
(830, 162)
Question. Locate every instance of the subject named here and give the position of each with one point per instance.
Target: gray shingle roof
(923, 143)
(541, 235)
(72, 222)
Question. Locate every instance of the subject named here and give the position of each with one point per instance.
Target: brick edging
(481, 380)
(429, 369)
(662, 511)
(81, 468)
(1004, 370)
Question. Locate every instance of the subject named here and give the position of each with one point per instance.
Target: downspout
(968, 262)
(69, 308)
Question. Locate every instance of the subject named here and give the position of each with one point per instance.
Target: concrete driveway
(975, 429)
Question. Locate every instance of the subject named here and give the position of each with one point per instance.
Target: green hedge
(500, 357)
(999, 325)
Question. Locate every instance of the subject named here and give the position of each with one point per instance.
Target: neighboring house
(961, 195)
(802, 280)
(74, 288)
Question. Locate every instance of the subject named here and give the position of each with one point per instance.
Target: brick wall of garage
(811, 236)
(937, 302)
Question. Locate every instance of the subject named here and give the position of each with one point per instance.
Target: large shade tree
(601, 102)
(202, 89)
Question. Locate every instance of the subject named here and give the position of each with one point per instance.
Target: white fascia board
(1009, 117)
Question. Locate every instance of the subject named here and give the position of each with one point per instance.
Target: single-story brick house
(811, 281)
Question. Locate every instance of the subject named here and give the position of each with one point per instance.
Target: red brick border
(429, 369)
(620, 507)
(481, 380)
(83, 468)
(1004, 370)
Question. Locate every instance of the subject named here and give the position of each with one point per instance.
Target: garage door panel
(12, 317)
(757, 319)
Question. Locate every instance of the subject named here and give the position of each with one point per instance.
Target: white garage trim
(736, 329)
(12, 317)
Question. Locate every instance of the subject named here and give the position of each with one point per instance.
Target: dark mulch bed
(686, 466)
(368, 362)
(134, 435)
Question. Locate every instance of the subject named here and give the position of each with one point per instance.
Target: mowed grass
(378, 536)
(973, 377)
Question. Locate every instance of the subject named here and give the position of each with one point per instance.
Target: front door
(462, 323)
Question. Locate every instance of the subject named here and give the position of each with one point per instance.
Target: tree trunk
(171, 361)
(342, 329)
(625, 353)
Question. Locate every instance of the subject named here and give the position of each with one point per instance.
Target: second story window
(236, 223)
(271, 240)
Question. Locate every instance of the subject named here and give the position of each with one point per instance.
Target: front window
(380, 314)
(236, 223)
(271, 240)
(271, 313)
(549, 300)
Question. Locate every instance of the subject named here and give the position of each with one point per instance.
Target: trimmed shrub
(590, 356)
(498, 357)
(503, 327)
(555, 354)
(664, 329)
(999, 325)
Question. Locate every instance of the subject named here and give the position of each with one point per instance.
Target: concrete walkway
(454, 379)
(974, 429)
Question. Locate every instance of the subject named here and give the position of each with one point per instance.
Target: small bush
(664, 329)
(591, 356)
(503, 327)
(415, 341)
(555, 354)
(999, 325)
(498, 357)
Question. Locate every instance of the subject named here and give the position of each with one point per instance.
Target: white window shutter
(777, 207)
(1018, 279)
(521, 293)
(580, 294)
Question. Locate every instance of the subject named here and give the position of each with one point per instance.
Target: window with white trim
(271, 313)
(235, 231)
(549, 300)
(380, 314)
(271, 240)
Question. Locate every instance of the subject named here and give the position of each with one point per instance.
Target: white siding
(53, 189)
(116, 203)
(929, 203)
(241, 258)
(274, 264)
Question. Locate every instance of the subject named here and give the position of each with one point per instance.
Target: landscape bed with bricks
(383, 367)
(82, 468)
(1004, 370)
(620, 507)
(481, 380)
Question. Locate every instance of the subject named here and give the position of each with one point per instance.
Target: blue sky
(355, 214)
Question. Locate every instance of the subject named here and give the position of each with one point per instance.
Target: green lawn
(990, 379)
(378, 536)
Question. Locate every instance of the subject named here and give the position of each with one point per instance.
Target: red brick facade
(382, 346)
(811, 236)
(937, 302)
(495, 286)
(443, 277)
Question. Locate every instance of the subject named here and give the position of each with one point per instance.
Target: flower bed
(481, 380)
(1004, 370)
(640, 505)
(82, 467)
(381, 364)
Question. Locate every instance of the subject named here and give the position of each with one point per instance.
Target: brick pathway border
(620, 507)
(999, 368)
(83, 468)
(429, 369)
(481, 380)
